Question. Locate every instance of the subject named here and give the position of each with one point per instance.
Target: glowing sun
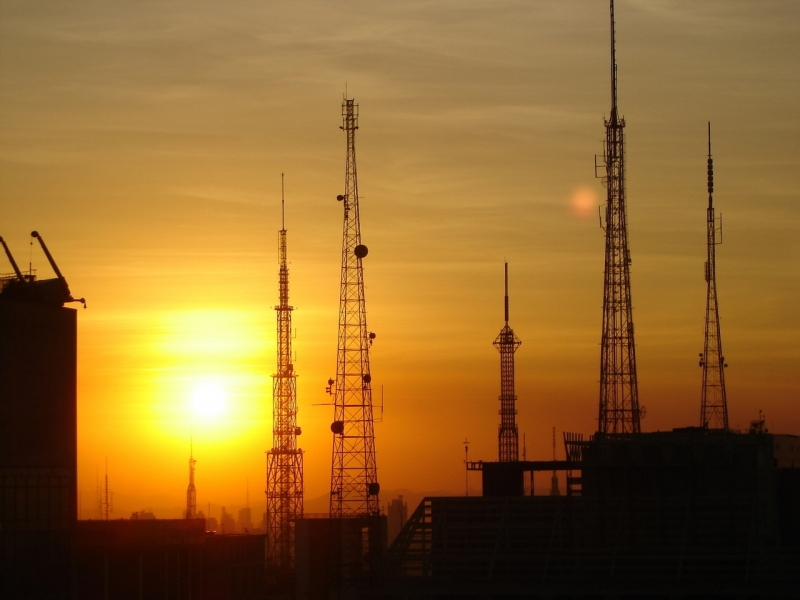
(209, 399)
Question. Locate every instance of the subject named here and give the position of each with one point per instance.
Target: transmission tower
(285, 459)
(507, 343)
(619, 395)
(714, 403)
(191, 492)
(354, 472)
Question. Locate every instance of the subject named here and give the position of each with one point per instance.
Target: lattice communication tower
(507, 343)
(285, 459)
(354, 472)
(714, 402)
(619, 394)
(191, 491)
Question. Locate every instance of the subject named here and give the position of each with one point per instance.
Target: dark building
(396, 516)
(687, 513)
(165, 558)
(339, 557)
(38, 436)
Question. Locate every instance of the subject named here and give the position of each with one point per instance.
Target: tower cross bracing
(285, 460)
(619, 395)
(507, 343)
(714, 402)
(354, 476)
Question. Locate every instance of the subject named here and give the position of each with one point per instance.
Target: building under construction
(38, 431)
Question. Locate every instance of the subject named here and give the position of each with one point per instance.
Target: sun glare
(209, 399)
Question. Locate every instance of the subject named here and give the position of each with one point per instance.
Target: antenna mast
(191, 492)
(507, 343)
(714, 402)
(354, 471)
(619, 394)
(285, 459)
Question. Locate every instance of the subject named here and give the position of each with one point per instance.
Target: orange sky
(145, 141)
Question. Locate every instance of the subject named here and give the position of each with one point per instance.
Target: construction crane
(25, 287)
(66, 295)
(507, 343)
(714, 402)
(285, 460)
(619, 393)
(17, 272)
(191, 491)
(354, 472)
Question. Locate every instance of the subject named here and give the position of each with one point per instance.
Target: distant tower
(714, 403)
(619, 394)
(507, 344)
(354, 472)
(285, 459)
(191, 492)
(107, 501)
(554, 491)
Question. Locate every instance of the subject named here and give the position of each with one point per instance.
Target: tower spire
(354, 472)
(619, 395)
(191, 492)
(285, 459)
(714, 402)
(507, 343)
(613, 65)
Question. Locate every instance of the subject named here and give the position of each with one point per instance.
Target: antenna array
(285, 459)
(619, 394)
(354, 472)
(714, 402)
(507, 343)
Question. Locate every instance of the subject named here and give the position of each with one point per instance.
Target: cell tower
(507, 343)
(619, 394)
(354, 472)
(714, 403)
(191, 492)
(285, 459)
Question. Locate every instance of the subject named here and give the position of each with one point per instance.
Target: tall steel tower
(191, 492)
(714, 403)
(619, 394)
(354, 472)
(507, 343)
(285, 459)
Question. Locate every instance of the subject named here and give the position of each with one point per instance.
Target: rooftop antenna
(507, 343)
(354, 469)
(191, 492)
(285, 460)
(619, 410)
(713, 402)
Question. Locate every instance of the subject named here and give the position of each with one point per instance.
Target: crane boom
(67, 294)
(11, 260)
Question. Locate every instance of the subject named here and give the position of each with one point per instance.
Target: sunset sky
(145, 141)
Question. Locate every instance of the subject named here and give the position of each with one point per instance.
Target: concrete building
(396, 515)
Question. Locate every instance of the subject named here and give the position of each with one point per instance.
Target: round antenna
(361, 251)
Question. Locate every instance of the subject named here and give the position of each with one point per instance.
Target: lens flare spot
(583, 201)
